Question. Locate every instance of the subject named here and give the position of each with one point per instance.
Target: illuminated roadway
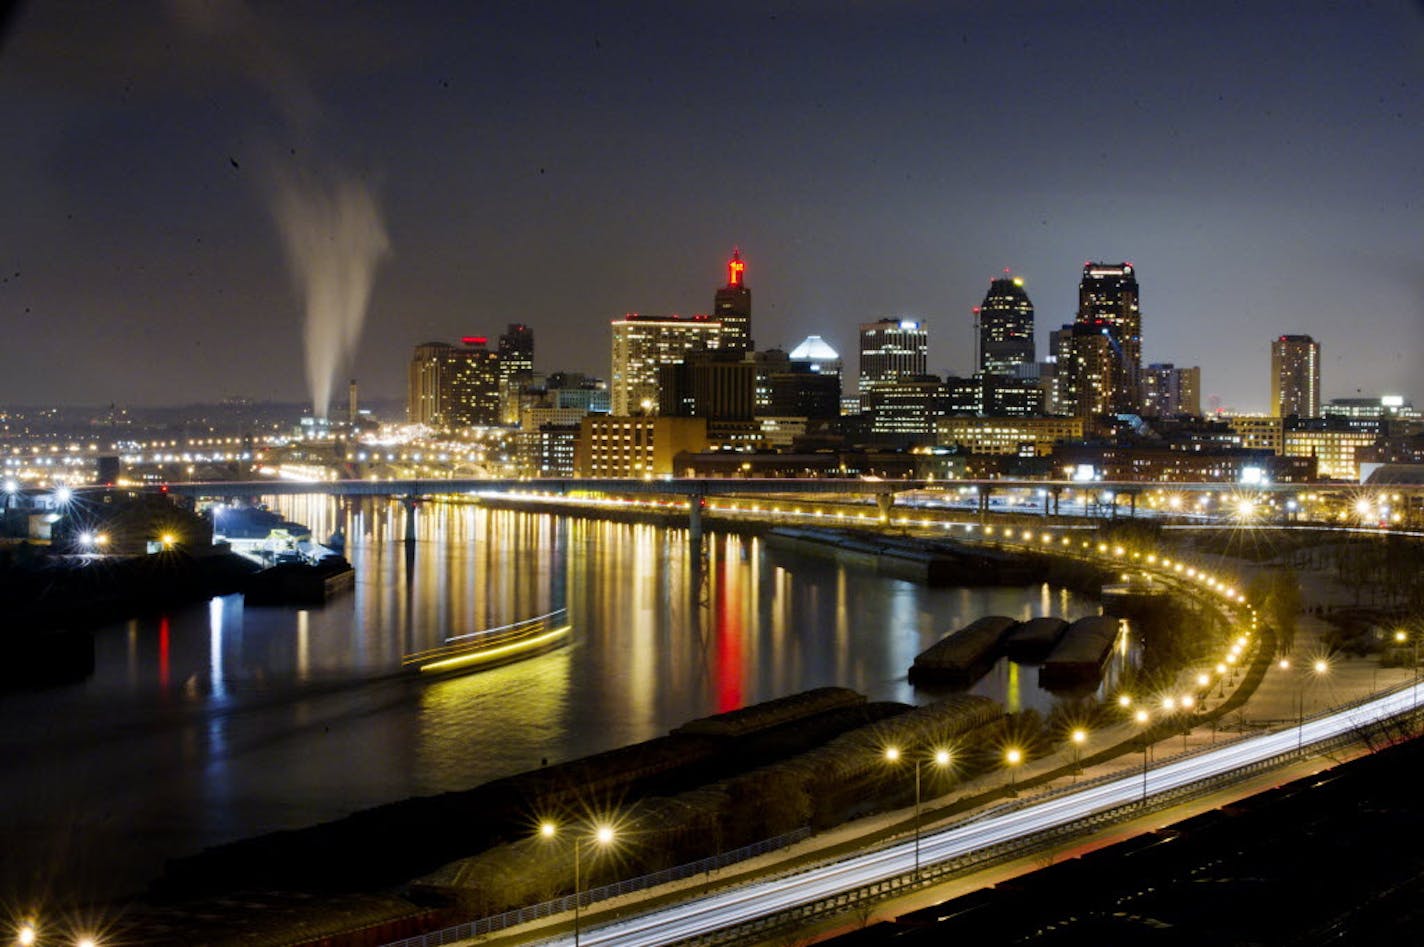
(737, 906)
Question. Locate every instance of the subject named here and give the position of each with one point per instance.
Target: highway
(736, 906)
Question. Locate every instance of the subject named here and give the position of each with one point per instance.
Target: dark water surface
(216, 722)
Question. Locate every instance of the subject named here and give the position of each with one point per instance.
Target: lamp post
(1400, 637)
(602, 836)
(1079, 736)
(941, 759)
(1318, 667)
(1013, 756)
(1141, 718)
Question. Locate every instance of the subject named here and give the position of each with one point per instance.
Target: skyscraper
(1169, 391)
(1108, 305)
(454, 387)
(516, 368)
(1295, 377)
(733, 307)
(1005, 320)
(892, 349)
(643, 343)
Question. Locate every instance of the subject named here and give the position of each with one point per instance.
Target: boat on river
(480, 650)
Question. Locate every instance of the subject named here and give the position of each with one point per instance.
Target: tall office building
(1095, 364)
(1169, 391)
(1295, 377)
(891, 350)
(428, 364)
(454, 387)
(733, 307)
(1059, 395)
(1108, 305)
(643, 343)
(516, 368)
(1005, 321)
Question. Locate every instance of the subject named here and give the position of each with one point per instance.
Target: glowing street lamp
(1079, 736)
(1013, 756)
(1319, 667)
(940, 758)
(602, 836)
(1400, 637)
(26, 934)
(1142, 717)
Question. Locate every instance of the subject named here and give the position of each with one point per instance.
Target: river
(216, 721)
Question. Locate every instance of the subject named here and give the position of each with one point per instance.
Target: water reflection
(221, 721)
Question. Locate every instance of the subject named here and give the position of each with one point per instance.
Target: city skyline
(547, 167)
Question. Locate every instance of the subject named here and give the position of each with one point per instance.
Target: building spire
(735, 268)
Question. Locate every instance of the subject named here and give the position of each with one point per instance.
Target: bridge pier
(1057, 495)
(883, 502)
(694, 518)
(410, 503)
(1132, 504)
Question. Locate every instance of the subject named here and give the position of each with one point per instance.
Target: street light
(602, 835)
(1400, 637)
(940, 758)
(1079, 736)
(1318, 667)
(25, 936)
(1141, 718)
(1013, 756)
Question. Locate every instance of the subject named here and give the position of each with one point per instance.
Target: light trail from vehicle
(746, 903)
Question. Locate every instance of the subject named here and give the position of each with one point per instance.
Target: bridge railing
(534, 912)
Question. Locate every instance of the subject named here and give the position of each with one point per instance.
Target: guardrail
(533, 912)
(931, 873)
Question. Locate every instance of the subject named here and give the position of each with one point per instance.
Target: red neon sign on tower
(735, 266)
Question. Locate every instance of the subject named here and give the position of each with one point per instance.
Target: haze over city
(1262, 165)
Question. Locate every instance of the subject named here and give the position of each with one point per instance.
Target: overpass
(1108, 494)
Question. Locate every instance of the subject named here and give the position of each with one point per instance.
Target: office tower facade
(454, 386)
(1094, 369)
(891, 350)
(1295, 377)
(428, 365)
(732, 307)
(905, 407)
(1005, 323)
(1060, 397)
(717, 385)
(1169, 391)
(474, 395)
(1108, 305)
(641, 344)
(516, 367)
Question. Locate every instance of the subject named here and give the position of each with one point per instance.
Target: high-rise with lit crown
(891, 350)
(1005, 321)
(1295, 377)
(733, 306)
(1108, 305)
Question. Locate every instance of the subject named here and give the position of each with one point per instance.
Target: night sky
(561, 164)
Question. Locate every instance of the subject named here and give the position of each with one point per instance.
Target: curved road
(740, 905)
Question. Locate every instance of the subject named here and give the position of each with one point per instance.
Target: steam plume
(334, 237)
(330, 223)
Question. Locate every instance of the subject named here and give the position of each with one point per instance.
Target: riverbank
(52, 603)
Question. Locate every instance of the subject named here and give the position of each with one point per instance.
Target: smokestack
(352, 412)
